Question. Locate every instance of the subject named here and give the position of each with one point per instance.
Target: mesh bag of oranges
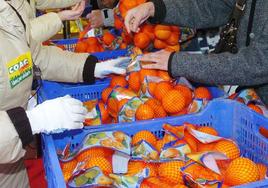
(250, 98)
(149, 94)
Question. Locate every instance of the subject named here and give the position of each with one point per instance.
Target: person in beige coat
(46, 26)
(19, 51)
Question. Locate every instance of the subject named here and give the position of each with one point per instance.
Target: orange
(155, 182)
(161, 89)
(92, 41)
(162, 32)
(112, 106)
(134, 81)
(153, 102)
(175, 48)
(198, 171)
(92, 49)
(146, 72)
(159, 44)
(186, 92)
(102, 163)
(262, 170)
(141, 40)
(180, 113)
(159, 111)
(202, 93)
(170, 171)
(229, 148)
(263, 131)
(173, 101)
(94, 152)
(208, 130)
(241, 171)
(255, 108)
(144, 112)
(122, 103)
(68, 168)
(140, 1)
(134, 167)
(175, 29)
(144, 135)
(104, 112)
(173, 39)
(118, 24)
(127, 38)
(108, 38)
(205, 147)
(179, 186)
(129, 4)
(164, 75)
(159, 145)
(152, 86)
(81, 47)
(153, 168)
(123, 45)
(106, 93)
(149, 30)
(123, 10)
(118, 81)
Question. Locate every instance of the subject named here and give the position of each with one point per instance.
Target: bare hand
(159, 60)
(136, 16)
(74, 13)
(95, 18)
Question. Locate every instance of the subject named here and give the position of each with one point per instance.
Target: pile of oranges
(94, 44)
(235, 171)
(89, 45)
(160, 36)
(167, 98)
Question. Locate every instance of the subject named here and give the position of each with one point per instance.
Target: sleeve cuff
(89, 69)
(108, 17)
(160, 11)
(170, 64)
(22, 125)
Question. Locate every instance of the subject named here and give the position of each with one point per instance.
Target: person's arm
(246, 68)
(193, 13)
(46, 26)
(45, 4)
(15, 134)
(64, 66)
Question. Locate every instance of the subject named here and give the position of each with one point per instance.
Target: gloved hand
(114, 66)
(57, 115)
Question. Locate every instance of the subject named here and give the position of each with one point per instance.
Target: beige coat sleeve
(46, 26)
(53, 60)
(50, 4)
(10, 144)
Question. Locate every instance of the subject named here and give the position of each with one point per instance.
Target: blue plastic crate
(84, 92)
(51, 90)
(231, 119)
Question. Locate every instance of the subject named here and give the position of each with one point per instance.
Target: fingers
(150, 57)
(150, 66)
(120, 71)
(79, 110)
(128, 19)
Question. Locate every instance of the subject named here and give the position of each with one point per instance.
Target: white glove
(114, 66)
(57, 115)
